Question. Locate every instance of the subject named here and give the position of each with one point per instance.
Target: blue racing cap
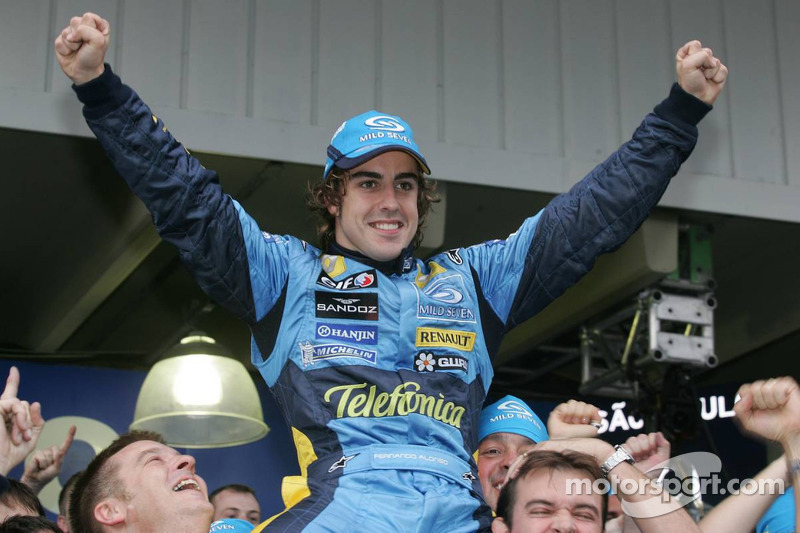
(368, 135)
(511, 415)
(231, 525)
(780, 517)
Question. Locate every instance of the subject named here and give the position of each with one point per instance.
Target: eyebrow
(149, 451)
(378, 176)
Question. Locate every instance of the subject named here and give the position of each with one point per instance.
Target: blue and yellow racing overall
(381, 369)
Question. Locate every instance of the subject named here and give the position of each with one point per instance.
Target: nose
(563, 522)
(509, 457)
(185, 462)
(388, 200)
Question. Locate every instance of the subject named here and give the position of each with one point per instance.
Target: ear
(333, 210)
(499, 526)
(62, 523)
(110, 512)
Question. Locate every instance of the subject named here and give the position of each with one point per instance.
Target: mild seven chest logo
(441, 299)
(359, 334)
(362, 280)
(362, 306)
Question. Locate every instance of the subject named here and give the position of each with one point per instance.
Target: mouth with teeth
(186, 484)
(387, 226)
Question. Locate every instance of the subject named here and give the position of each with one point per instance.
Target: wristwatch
(620, 455)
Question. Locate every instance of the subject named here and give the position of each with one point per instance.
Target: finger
(721, 75)
(84, 34)
(709, 61)
(74, 22)
(636, 444)
(710, 72)
(20, 417)
(661, 440)
(784, 388)
(590, 412)
(23, 419)
(698, 60)
(37, 422)
(758, 395)
(12, 384)
(745, 404)
(514, 468)
(70, 41)
(68, 441)
(43, 458)
(97, 22)
(687, 49)
(772, 394)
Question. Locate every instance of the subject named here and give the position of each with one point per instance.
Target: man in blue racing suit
(380, 361)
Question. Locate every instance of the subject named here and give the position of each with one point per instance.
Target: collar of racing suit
(402, 263)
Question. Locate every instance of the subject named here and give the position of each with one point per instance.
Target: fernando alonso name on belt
(311, 353)
(362, 280)
(431, 362)
(360, 334)
(446, 338)
(358, 306)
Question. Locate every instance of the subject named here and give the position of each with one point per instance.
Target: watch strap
(620, 455)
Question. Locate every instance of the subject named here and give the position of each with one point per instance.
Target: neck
(402, 263)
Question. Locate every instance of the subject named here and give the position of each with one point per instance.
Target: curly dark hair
(330, 191)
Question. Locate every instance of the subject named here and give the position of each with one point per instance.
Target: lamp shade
(199, 398)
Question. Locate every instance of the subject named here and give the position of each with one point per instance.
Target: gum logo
(431, 362)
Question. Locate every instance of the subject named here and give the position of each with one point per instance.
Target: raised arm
(739, 513)
(241, 269)
(552, 250)
(771, 409)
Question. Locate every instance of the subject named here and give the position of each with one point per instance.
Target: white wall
(518, 93)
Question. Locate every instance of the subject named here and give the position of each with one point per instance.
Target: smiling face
(496, 452)
(542, 505)
(159, 490)
(378, 213)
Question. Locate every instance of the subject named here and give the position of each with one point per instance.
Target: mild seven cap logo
(514, 407)
(385, 123)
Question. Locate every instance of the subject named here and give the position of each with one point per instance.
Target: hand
(700, 73)
(648, 450)
(45, 464)
(81, 47)
(22, 425)
(597, 448)
(770, 409)
(572, 420)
